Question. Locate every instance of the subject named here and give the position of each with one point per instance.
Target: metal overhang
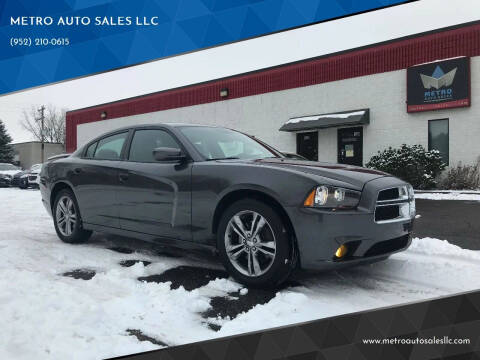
(322, 121)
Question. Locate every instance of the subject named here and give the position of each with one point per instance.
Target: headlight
(332, 197)
(411, 194)
(411, 201)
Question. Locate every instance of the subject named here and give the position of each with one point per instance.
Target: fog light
(341, 251)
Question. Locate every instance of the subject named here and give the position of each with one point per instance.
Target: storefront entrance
(307, 145)
(350, 146)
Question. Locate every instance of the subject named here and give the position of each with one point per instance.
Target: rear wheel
(67, 219)
(254, 245)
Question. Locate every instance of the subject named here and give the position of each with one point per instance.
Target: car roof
(154, 125)
(141, 126)
(9, 164)
(159, 125)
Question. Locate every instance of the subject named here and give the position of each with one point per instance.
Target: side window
(110, 148)
(91, 150)
(145, 141)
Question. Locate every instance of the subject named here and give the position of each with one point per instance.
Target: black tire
(77, 234)
(281, 267)
(23, 184)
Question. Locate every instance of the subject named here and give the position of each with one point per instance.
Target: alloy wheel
(66, 216)
(250, 243)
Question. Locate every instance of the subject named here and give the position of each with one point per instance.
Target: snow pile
(49, 316)
(430, 268)
(450, 195)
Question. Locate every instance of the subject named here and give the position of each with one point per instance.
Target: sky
(237, 58)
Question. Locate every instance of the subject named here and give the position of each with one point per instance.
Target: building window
(438, 135)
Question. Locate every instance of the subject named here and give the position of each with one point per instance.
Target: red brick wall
(396, 55)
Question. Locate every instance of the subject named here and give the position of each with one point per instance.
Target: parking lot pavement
(453, 220)
(113, 296)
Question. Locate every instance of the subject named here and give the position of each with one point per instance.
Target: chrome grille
(395, 204)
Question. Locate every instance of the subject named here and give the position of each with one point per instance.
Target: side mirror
(168, 154)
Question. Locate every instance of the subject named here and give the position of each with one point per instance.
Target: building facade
(338, 108)
(30, 153)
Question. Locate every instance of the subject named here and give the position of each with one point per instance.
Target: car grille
(394, 204)
(389, 194)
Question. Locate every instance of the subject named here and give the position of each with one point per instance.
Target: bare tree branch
(54, 126)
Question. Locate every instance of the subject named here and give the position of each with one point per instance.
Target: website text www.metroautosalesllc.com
(446, 340)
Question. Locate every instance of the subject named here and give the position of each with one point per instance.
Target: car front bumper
(319, 233)
(4, 182)
(15, 182)
(33, 180)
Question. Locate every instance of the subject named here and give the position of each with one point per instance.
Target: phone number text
(27, 41)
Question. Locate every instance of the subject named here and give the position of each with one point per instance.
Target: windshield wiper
(224, 158)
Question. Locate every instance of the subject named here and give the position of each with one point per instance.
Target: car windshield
(8, 167)
(220, 143)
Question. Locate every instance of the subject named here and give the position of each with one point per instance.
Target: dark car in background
(7, 172)
(200, 186)
(28, 178)
(17, 178)
(5, 180)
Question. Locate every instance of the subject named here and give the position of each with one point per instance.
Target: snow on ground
(467, 195)
(49, 316)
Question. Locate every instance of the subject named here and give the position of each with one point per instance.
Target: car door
(95, 179)
(154, 196)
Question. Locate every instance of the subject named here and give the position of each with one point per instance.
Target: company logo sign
(438, 85)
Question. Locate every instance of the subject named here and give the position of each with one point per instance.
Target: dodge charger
(193, 186)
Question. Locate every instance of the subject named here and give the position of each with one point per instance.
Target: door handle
(123, 177)
(77, 170)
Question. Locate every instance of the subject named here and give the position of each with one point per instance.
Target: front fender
(250, 187)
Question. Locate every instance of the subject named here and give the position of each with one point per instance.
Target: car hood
(354, 175)
(10, 172)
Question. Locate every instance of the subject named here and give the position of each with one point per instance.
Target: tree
(411, 163)
(54, 124)
(6, 149)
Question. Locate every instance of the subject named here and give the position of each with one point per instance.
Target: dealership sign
(439, 85)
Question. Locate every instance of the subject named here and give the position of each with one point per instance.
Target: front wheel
(67, 219)
(254, 244)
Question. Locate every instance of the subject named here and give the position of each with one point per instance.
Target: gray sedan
(194, 186)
